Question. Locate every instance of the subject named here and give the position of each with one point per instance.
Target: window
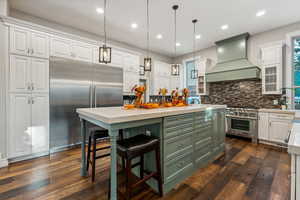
(191, 84)
(296, 73)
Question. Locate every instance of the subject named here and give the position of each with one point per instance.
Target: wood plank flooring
(246, 172)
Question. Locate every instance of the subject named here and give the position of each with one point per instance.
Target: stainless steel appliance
(75, 84)
(242, 122)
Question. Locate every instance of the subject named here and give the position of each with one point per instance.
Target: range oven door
(240, 126)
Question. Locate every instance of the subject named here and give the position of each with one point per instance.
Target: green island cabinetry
(188, 142)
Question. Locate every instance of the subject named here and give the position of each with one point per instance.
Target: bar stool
(138, 146)
(98, 135)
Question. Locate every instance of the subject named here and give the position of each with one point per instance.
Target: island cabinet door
(218, 132)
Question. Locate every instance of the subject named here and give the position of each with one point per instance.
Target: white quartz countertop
(291, 112)
(294, 141)
(112, 115)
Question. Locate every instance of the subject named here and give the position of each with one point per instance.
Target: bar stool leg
(88, 154)
(128, 180)
(158, 168)
(94, 159)
(142, 167)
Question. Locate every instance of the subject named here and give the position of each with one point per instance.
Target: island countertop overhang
(113, 115)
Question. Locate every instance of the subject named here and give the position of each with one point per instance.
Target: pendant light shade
(105, 51)
(147, 59)
(194, 72)
(175, 67)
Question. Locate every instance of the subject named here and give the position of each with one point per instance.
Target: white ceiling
(240, 15)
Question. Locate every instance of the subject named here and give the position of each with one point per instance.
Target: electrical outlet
(275, 102)
(148, 132)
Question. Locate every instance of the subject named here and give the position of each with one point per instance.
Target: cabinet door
(39, 45)
(82, 51)
(40, 75)
(271, 79)
(130, 79)
(61, 47)
(272, 55)
(40, 123)
(19, 71)
(279, 130)
(117, 58)
(263, 126)
(19, 125)
(131, 63)
(19, 40)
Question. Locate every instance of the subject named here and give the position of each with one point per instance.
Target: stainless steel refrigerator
(75, 84)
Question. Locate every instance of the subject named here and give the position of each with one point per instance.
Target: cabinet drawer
(178, 167)
(203, 143)
(203, 134)
(176, 146)
(203, 155)
(203, 124)
(281, 116)
(177, 118)
(178, 130)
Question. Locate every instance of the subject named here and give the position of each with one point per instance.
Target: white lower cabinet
(19, 125)
(274, 127)
(28, 124)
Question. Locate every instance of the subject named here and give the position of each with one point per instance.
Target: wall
(3, 68)
(4, 7)
(245, 93)
(36, 20)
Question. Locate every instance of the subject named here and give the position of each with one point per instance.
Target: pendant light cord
(147, 28)
(194, 42)
(175, 32)
(105, 22)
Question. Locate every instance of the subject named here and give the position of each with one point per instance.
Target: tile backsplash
(240, 93)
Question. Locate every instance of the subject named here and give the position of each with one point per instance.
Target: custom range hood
(233, 63)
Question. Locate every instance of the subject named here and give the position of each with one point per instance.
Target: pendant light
(194, 72)
(105, 51)
(175, 67)
(147, 60)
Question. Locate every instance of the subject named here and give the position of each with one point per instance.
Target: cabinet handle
(288, 137)
(28, 51)
(270, 123)
(32, 100)
(32, 86)
(32, 51)
(29, 100)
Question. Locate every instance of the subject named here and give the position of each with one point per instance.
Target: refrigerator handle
(95, 97)
(91, 96)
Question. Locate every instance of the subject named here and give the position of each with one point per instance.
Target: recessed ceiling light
(198, 37)
(178, 44)
(260, 13)
(134, 25)
(100, 10)
(224, 27)
(159, 36)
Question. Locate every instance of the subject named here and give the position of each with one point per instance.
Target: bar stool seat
(134, 147)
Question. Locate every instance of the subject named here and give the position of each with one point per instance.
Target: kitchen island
(190, 137)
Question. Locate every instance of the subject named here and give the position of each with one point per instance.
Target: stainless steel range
(242, 122)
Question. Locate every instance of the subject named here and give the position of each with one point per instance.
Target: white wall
(3, 68)
(4, 7)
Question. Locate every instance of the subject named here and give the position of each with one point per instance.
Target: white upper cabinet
(29, 43)
(19, 41)
(271, 64)
(82, 51)
(19, 125)
(61, 47)
(39, 45)
(28, 74)
(19, 71)
(117, 58)
(131, 63)
(40, 123)
(202, 85)
(130, 79)
(39, 75)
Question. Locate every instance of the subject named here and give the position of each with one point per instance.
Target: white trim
(3, 163)
(289, 67)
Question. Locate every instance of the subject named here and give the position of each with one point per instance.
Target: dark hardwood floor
(247, 171)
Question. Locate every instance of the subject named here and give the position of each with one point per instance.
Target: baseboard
(3, 163)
